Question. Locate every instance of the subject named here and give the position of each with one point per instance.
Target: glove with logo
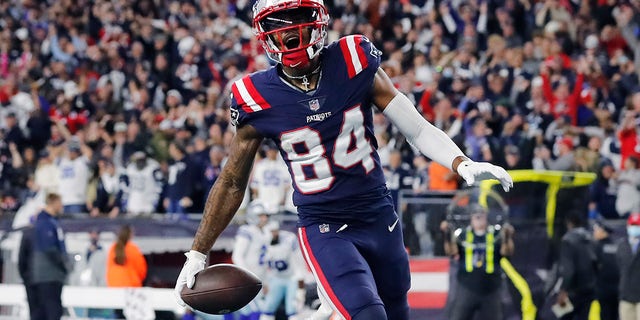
(195, 263)
(472, 171)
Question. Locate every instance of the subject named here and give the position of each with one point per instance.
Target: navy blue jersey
(325, 136)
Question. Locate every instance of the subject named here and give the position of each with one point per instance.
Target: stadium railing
(74, 298)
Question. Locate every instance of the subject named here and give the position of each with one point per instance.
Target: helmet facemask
(294, 33)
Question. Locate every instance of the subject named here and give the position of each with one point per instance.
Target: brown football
(222, 288)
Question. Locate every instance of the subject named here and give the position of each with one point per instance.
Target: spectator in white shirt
(47, 175)
(74, 176)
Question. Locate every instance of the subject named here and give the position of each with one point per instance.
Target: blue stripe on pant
(361, 265)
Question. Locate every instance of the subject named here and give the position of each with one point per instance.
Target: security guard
(479, 248)
(608, 274)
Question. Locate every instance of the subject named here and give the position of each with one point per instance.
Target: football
(222, 288)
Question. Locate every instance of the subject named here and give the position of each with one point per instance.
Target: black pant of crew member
(608, 308)
(467, 303)
(49, 301)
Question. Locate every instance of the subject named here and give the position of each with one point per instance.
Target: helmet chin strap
(297, 59)
(300, 60)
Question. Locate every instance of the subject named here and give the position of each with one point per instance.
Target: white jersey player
(250, 248)
(142, 184)
(270, 180)
(285, 273)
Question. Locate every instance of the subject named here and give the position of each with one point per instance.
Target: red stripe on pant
(315, 266)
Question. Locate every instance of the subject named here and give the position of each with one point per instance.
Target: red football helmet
(279, 24)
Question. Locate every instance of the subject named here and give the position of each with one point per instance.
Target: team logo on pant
(324, 228)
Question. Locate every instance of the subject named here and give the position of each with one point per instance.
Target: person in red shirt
(628, 135)
(73, 120)
(561, 100)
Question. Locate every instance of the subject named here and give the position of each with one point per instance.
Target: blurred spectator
(39, 128)
(588, 159)
(628, 130)
(50, 264)
(442, 178)
(213, 167)
(398, 176)
(577, 268)
(420, 174)
(512, 158)
(628, 181)
(108, 193)
(47, 174)
(13, 132)
(479, 140)
(180, 185)
(561, 100)
(627, 258)
(74, 178)
(565, 160)
(19, 173)
(128, 140)
(608, 275)
(131, 77)
(603, 193)
(94, 244)
(270, 180)
(95, 274)
(626, 18)
(141, 185)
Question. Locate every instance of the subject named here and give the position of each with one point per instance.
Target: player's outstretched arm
(228, 191)
(223, 201)
(431, 141)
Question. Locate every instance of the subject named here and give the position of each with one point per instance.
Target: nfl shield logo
(324, 228)
(314, 105)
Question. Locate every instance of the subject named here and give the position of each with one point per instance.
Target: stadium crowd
(100, 99)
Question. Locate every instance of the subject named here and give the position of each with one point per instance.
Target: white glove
(471, 171)
(195, 263)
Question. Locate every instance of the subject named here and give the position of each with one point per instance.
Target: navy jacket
(50, 254)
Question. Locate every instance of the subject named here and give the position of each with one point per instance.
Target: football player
(285, 273)
(249, 250)
(317, 104)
